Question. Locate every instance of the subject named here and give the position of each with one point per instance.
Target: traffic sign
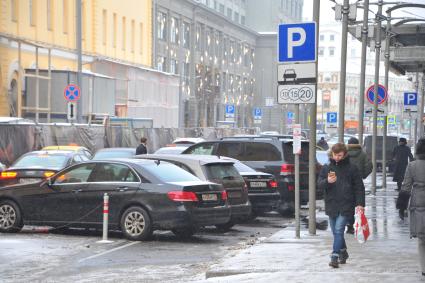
(411, 101)
(72, 92)
(257, 113)
(296, 94)
(72, 111)
(297, 42)
(391, 120)
(230, 111)
(296, 144)
(296, 73)
(332, 117)
(382, 94)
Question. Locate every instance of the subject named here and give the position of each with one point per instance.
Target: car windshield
(54, 161)
(289, 155)
(107, 154)
(167, 172)
(219, 172)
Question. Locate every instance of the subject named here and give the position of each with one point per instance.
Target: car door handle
(122, 189)
(77, 190)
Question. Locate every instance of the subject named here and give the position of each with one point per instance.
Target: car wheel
(225, 227)
(184, 233)
(136, 224)
(10, 217)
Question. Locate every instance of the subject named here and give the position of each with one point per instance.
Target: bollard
(105, 219)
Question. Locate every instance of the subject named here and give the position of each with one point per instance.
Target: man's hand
(331, 177)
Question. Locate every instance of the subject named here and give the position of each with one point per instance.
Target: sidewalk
(388, 256)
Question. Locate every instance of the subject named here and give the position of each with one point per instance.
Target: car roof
(187, 158)
(50, 152)
(117, 149)
(64, 147)
(188, 140)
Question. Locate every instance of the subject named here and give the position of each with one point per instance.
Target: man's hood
(354, 150)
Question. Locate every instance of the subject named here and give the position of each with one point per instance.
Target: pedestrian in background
(323, 144)
(413, 188)
(360, 159)
(142, 149)
(343, 187)
(401, 157)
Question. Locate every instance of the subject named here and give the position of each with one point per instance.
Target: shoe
(334, 262)
(343, 256)
(423, 273)
(350, 229)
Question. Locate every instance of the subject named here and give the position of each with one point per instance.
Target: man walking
(142, 149)
(358, 158)
(401, 157)
(343, 187)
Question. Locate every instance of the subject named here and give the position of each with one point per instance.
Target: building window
(114, 41)
(243, 20)
(174, 32)
(236, 17)
(215, 5)
(353, 52)
(198, 37)
(133, 31)
(221, 9)
(186, 35)
(332, 37)
(161, 66)
(186, 70)
(141, 38)
(124, 35)
(229, 13)
(32, 12)
(49, 14)
(321, 51)
(105, 26)
(174, 66)
(13, 11)
(65, 16)
(331, 51)
(322, 37)
(162, 25)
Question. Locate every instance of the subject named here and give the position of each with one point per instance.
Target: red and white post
(105, 219)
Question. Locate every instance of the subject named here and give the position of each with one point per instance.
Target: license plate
(234, 194)
(28, 180)
(258, 184)
(209, 197)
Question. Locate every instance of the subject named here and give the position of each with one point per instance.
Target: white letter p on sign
(291, 42)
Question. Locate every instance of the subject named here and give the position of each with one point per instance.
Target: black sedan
(37, 165)
(144, 195)
(114, 152)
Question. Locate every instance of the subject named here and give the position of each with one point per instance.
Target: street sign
(72, 92)
(297, 42)
(230, 111)
(369, 112)
(382, 94)
(258, 113)
(296, 94)
(380, 122)
(296, 145)
(296, 73)
(289, 117)
(72, 111)
(411, 101)
(332, 117)
(391, 120)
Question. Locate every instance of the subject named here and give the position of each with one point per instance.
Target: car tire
(10, 217)
(225, 227)
(184, 233)
(136, 224)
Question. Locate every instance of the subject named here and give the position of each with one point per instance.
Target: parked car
(76, 148)
(186, 141)
(265, 154)
(220, 171)
(37, 165)
(391, 142)
(114, 152)
(262, 188)
(170, 150)
(145, 195)
(334, 139)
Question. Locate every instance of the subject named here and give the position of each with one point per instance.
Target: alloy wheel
(7, 216)
(134, 223)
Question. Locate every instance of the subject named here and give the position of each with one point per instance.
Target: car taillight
(291, 188)
(182, 196)
(273, 184)
(224, 195)
(48, 174)
(287, 168)
(8, 175)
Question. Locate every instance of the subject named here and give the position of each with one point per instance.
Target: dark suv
(267, 154)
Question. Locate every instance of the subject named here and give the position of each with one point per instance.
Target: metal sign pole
(387, 69)
(297, 179)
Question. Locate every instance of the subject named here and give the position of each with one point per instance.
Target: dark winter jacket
(359, 158)
(141, 149)
(414, 186)
(346, 193)
(401, 156)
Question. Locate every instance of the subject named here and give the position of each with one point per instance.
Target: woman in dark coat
(413, 188)
(401, 156)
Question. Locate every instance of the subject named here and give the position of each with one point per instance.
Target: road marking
(107, 252)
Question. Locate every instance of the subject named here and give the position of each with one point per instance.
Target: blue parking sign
(331, 117)
(257, 113)
(297, 42)
(230, 111)
(410, 98)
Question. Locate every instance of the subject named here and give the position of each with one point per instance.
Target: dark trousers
(399, 183)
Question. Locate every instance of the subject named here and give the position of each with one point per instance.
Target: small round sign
(382, 94)
(72, 92)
